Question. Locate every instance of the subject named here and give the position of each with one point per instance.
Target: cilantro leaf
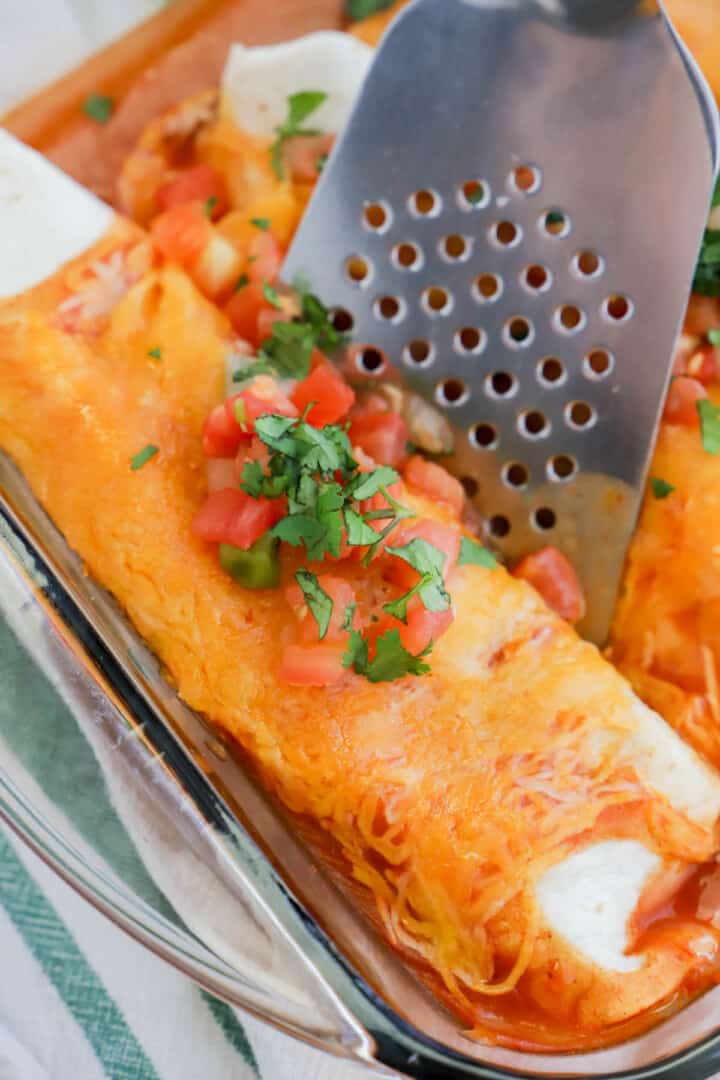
(271, 295)
(252, 479)
(258, 367)
(398, 608)
(347, 623)
(276, 433)
(361, 9)
(143, 456)
(289, 348)
(429, 563)
(356, 656)
(99, 107)
(660, 488)
(713, 337)
(317, 600)
(392, 660)
(262, 223)
(359, 534)
(707, 271)
(300, 106)
(155, 353)
(241, 282)
(209, 206)
(298, 529)
(366, 485)
(709, 426)
(474, 554)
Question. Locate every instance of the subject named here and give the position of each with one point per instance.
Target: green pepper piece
(256, 568)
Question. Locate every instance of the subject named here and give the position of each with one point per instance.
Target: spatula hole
(425, 203)
(618, 308)
(498, 526)
(389, 309)
(451, 392)
(569, 319)
(470, 485)
(342, 320)
(358, 269)
(560, 468)
(588, 264)
(551, 372)
(555, 223)
(418, 353)
(470, 340)
(407, 256)
(455, 248)
(377, 217)
(518, 332)
(501, 384)
(544, 518)
(474, 195)
(536, 278)
(370, 361)
(437, 301)
(598, 363)
(515, 475)
(533, 424)
(580, 415)
(506, 234)
(487, 288)
(526, 179)
(484, 436)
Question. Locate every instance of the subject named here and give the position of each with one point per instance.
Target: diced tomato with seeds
(330, 395)
(681, 402)
(703, 365)
(443, 537)
(342, 595)
(197, 183)
(181, 233)
(383, 436)
(262, 397)
(264, 257)
(302, 156)
(231, 516)
(433, 480)
(221, 434)
(244, 308)
(312, 665)
(554, 577)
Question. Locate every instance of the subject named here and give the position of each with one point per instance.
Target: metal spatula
(512, 216)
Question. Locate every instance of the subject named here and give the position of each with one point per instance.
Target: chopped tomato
(443, 537)
(303, 154)
(423, 626)
(681, 402)
(703, 314)
(254, 451)
(330, 395)
(264, 257)
(703, 365)
(554, 577)
(230, 516)
(263, 396)
(435, 481)
(312, 665)
(221, 434)
(382, 435)
(182, 232)
(267, 317)
(342, 595)
(198, 183)
(244, 308)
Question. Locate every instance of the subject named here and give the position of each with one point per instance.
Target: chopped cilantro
(241, 282)
(210, 205)
(474, 554)
(321, 162)
(155, 353)
(143, 456)
(356, 656)
(271, 296)
(660, 488)
(289, 349)
(713, 337)
(707, 271)
(359, 533)
(252, 479)
(391, 661)
(258, 367)
(99, 107)
(300, 107)
(398, 608)
(347, 623)
(429, 562)
(260, 223)
(361, 9)
(317, 600)
(366, 485)
(709, 426)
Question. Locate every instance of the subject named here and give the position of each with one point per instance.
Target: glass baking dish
(276, 935)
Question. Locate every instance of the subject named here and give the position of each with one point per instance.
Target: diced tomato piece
(263, 396)
(254, 451)
(181, 233)
(302, 156)
(312, 665)
(423, 626)
(342, 595)
(554, 577)
(431, 479)
(231, 516)
(221, 434)
(703, 365)
(264, 257)
(198, 183)
(331, 395)
(681, 402)
(703, 314)
(243, 310)
(267, 317)
(383, 436)
(443, 537)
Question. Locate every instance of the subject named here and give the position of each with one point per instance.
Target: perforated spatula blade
(513, 217)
